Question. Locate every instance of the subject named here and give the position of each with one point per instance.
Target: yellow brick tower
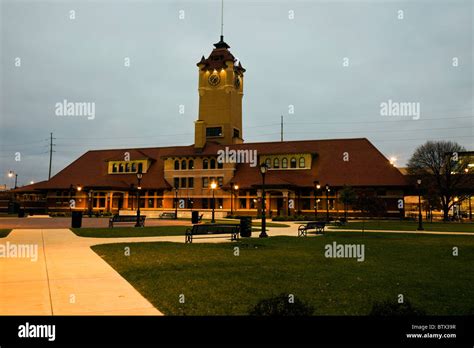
(221, 81)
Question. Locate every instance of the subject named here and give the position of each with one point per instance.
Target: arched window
(293, 162)
(134, 167)
(268, 162)
(276, 163)
(284, 162)
(205, 164)
(191, 164)
(302, 162)
(127, 168)
(121, 168)
(114, 168)
(220, 165)
(140, 167)
(213, 163)
(176, 165)
(183, 164)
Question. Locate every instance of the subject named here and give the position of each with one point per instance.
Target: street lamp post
(10, 175)
(327, 202)
(213, 202)
(233, 189)
(176, 190)
(420, 216)
(139, 179)
(317, 186)
(263, 171)
(89, 203)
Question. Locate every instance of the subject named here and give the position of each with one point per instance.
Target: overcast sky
(293, 52)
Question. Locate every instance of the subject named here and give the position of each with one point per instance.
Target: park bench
(312, 225)
(126, 219)
(207, 229)
(167, 216)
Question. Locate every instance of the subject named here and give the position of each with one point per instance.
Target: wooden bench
(126, 219)
(206, 229)
(312, 225)
(167, 216)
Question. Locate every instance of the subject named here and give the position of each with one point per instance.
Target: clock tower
(221, 79)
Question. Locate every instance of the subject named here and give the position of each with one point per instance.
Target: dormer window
(127, 167)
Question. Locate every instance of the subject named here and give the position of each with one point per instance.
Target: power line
(50, 154)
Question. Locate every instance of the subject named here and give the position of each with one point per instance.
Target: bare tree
(442, 170)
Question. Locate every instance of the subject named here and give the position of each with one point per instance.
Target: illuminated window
(284, 162)
(276, 163)
(268, 162)
(302, 162)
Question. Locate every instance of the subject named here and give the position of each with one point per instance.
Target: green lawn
(254, 223)
(4, 233)
(117, 232)
(410, 226)
(215, 282)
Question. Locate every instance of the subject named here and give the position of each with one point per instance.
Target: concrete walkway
(68, 278)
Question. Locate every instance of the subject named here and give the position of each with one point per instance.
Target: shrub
(390, 308)
(278, 218)
(280, 306)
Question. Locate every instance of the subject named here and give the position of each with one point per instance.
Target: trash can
(194, 217)
(76, 219)
(245, 226)
(13, 207)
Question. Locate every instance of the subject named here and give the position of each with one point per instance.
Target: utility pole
(50, 154)
(281, 129)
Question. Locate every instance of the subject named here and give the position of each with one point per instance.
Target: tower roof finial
(222, 20)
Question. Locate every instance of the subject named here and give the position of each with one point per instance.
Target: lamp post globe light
(213, 202)
(11, 173)
(420, 217)
(139, 179)
(263, 171)
(327, 202)
(317, 186)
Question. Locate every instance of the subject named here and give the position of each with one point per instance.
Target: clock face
(237, 82)
(214, 79)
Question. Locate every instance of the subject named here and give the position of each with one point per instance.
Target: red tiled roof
(366, 166)
(218, 58)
